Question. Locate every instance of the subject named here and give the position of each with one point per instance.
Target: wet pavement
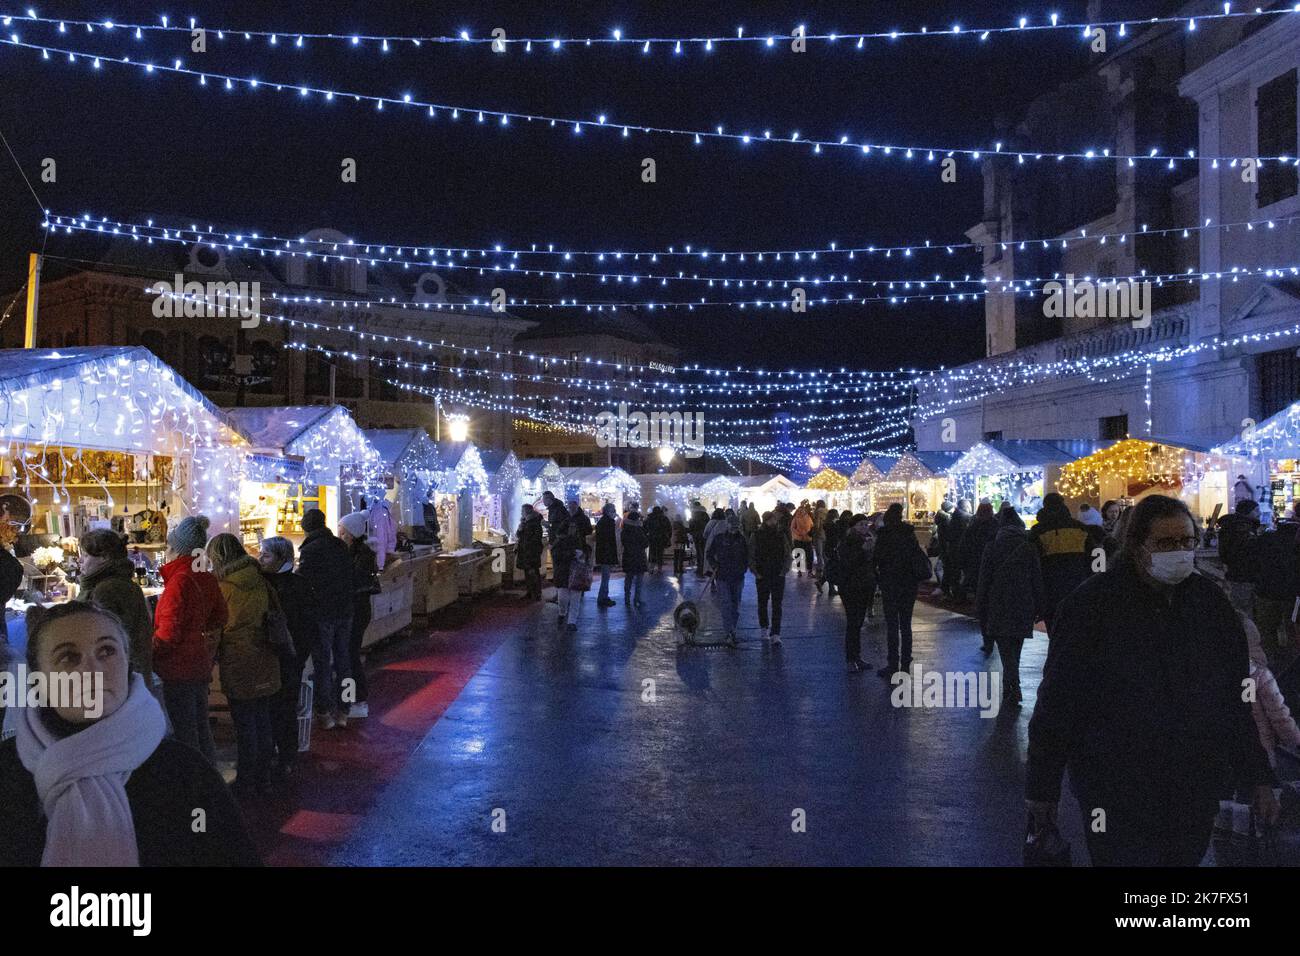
(617, 745)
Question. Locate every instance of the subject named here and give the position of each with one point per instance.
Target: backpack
(276, 625)
(920, 566)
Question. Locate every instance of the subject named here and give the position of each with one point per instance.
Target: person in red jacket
(190, 607)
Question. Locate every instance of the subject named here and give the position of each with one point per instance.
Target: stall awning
(921, 466)
(1144, 461)
(544, 470)
(325, 436)
(828, 479)
(110, 398)
(867, 474)
(1277, 436)
(610, 480)
(1016, 456)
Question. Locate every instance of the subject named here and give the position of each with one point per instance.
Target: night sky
(130, 145)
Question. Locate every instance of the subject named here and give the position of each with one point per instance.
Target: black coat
(856, 568)
(562, 551)
(658, 529)
(635, 541)
(1277, 574)
(895, 557)
(770, 554)
(1239, 547)
(958, 522)
(324, 561)
(528, 553)
(1009, 597)
(163, 793)
(978, 536)
(556, 517)
(300, 603)
(606, 541)
(1141, 699)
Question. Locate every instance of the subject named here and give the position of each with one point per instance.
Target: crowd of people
(121, 786)
(1141, 697)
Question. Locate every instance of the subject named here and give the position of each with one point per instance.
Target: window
(1275, 113)
(993, 436)
(1113, 427)
(1279, 381)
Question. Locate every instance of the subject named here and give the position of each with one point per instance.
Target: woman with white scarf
(96, 782)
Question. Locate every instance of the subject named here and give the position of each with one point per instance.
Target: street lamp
(458, 427)
(665, 455)
(815, 463)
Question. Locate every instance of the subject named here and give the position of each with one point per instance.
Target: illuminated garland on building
(1133, 461)
(828, 479)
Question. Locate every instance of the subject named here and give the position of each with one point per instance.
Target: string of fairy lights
(499, 41)
(903, 285)
(408, 104)
(364, 251)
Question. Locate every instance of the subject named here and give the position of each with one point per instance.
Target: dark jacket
(556, 517)
(658, 529)
(699, 519)
(299, 602)
(581, 526)
(324, 561)
(163, 793)
(1141, 699)
(856, 568)
(1065, 548)
(729, 556)
(1009, 597)
(11, 578)
(681, 534)
(978, 536)
(606, 541)
(562, 550)
(528, 553)
(770, 556)
(1238, 547)
(113, 588)
(635, 542)
(1278, 576)
(365, 571)
(894, 559)
(956, 527)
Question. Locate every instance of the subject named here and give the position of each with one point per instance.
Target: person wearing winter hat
(365, 584)
(187, 626)
(325, 562)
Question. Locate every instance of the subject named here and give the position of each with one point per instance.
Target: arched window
(266, 361)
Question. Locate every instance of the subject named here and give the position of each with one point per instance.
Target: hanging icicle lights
(407, 102)
(1039, 24)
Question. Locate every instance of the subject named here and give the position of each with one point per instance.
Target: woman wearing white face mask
(1141, 699)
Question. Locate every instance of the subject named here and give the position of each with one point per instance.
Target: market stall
(593, 487)
(1018, 471)
(1131, 469)
(108, 437)
(918, 481)
(862, 485)
(765, 491)
(463, 486)
(302, 457)
(832, 487)
(539, 475)
(1268, 456)
(411, 470)
(502, 507)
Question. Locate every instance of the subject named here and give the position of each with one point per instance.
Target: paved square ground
(556, 740)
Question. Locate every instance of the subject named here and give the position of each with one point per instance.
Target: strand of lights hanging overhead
(408, 102)
(288, 247)
(812, 384)
(362, 250)
(617, 37)
(894, 417)
(505, 403)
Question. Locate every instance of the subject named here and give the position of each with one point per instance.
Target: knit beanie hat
(354, 524)
(189, 536)
(313, 520)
